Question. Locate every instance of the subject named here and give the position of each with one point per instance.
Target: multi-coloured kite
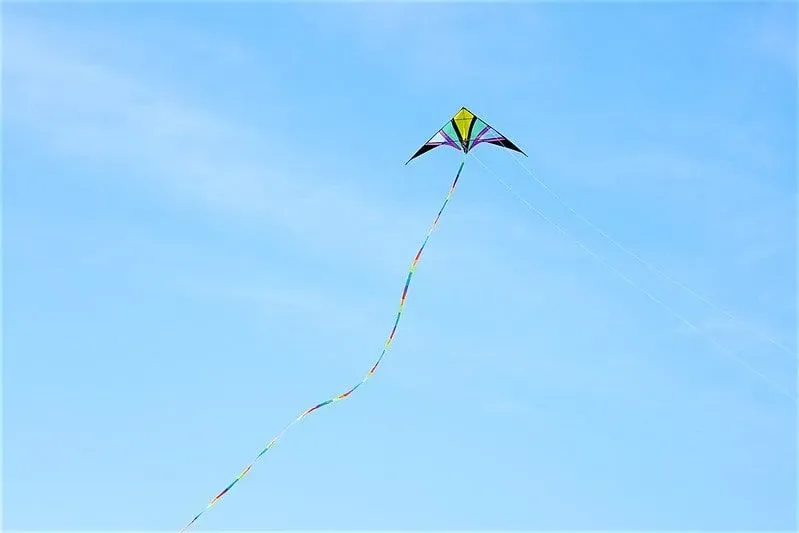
(463, 132)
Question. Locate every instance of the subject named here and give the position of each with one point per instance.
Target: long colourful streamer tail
(369, 374)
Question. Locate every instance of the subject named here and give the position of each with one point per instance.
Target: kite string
(729, 351)
(648, 265)
(368, 375)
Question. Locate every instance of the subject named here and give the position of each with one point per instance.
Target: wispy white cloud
(93, 112)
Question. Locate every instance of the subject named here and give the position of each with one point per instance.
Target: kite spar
(463, 132)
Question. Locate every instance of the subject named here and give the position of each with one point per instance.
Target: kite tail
(369, 374)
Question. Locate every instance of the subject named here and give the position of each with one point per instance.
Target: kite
(463, 132)
(468, 131)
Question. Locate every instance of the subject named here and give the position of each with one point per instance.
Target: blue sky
(207, 223)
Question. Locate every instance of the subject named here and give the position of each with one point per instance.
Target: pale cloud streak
(92, 112)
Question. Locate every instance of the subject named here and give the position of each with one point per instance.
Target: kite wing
(463, 132)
